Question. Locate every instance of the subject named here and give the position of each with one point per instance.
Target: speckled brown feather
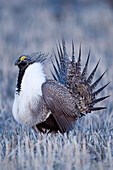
(61, 103)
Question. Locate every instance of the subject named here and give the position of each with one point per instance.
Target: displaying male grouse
(54, 105)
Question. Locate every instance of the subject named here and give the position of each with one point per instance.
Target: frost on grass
(43, 151)
(25, 149)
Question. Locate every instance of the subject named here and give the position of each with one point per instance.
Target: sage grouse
(56, 104)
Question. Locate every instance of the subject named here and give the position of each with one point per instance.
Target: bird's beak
(17, 62)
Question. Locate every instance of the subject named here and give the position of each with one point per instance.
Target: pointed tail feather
(96, 108)
(57, 62)
(90, 78)
(78, 69)
(60, 55)
(98, 91)
(60, 51)
(98, 100)
(56, 71)
(64, 49)
(54, 76)
(84, 73)
(65, 60)
(93, 86)
(73, 56)
(61, 68)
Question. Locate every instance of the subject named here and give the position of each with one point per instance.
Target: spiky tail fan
(68, 72)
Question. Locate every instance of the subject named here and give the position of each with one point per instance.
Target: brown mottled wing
(61, 103)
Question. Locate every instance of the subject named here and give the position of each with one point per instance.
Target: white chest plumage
(29, 96)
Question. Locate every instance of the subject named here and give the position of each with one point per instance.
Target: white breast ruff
(29, 95)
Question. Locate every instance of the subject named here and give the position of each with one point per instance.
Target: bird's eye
(25, 59)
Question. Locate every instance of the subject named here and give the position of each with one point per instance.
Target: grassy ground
(36, 26)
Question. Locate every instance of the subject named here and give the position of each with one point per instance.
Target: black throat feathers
(22, 69)
(19, 81)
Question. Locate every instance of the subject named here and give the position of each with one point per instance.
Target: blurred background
(30, 26)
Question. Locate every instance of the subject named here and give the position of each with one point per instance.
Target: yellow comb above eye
(22, 57)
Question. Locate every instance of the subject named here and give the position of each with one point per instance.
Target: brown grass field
(30, 26)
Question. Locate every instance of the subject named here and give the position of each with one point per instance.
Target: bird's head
(24, 61)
